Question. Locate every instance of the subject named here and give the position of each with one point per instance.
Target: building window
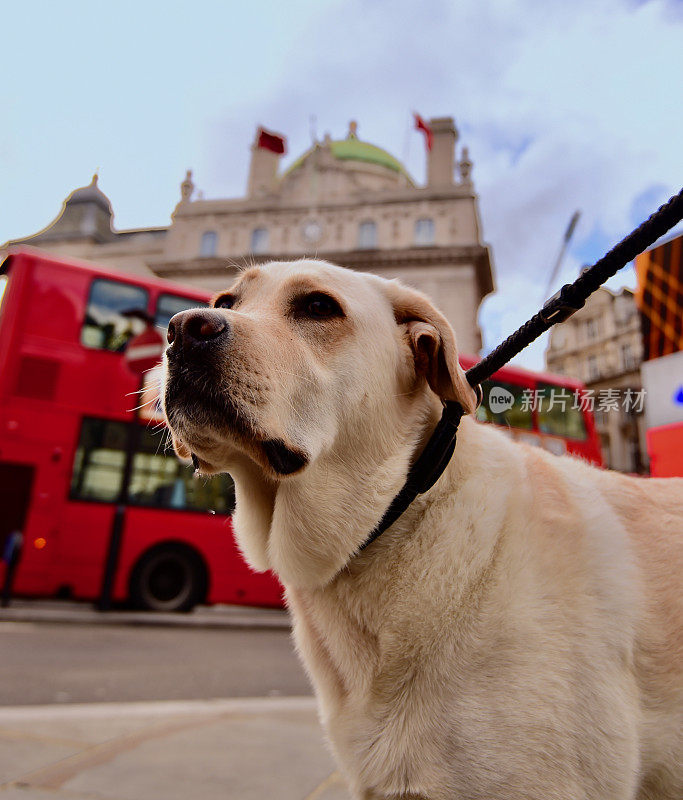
(628, 361)
(259, 240)
(207, 247)
(593, 369)
(116, 312)
(591, 329)
(367, 235)
(624, 308)
(424, 232)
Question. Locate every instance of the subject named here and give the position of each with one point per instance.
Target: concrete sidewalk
(238, 749)
(64, 611)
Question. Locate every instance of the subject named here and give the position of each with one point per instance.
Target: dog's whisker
(142, 405)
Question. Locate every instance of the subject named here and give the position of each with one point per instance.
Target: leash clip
(560, 306)
(480, 395)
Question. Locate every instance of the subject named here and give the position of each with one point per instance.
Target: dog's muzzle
(198, 340)
(190, 332)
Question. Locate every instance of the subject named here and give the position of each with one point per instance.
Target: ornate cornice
(274, 203)
(362, 260)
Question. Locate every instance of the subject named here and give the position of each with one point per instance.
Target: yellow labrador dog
(516, 633)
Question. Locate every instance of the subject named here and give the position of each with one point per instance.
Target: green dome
(356, 150)
(352, 149)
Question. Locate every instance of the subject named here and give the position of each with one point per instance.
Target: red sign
(145, 350)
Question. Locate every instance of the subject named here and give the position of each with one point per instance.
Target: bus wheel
(169, 577)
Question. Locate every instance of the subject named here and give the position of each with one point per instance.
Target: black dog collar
(426, 470)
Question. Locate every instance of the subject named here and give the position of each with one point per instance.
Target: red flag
(421, 125)
(271, 141)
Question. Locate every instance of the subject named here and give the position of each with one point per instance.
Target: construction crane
(563, 249)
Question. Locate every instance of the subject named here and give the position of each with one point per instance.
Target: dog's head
(304, 366)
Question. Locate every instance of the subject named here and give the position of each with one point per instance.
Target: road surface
(57, 663)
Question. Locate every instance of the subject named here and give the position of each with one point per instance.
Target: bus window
(170, 304)
(99, 462)
(116, 312)
(4, 279)
(556, 414)
(161, 481)
(158, 479)
(518, 415)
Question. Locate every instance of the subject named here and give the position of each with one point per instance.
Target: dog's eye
(226, 301)
(321, 306)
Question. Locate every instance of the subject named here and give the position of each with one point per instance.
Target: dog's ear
(433, 344)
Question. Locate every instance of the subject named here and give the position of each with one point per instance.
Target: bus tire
(168, 577)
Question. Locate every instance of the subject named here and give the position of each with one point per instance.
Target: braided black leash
(572, 296)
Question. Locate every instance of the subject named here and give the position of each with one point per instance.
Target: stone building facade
(601, 345)
(344, 200)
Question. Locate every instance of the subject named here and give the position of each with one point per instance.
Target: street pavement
(251, 748)
(232, 749)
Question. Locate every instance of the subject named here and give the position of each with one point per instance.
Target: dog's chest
(380, 703)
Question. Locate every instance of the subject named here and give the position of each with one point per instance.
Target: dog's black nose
(196, 326)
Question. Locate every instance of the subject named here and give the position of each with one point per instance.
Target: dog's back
(651, 511)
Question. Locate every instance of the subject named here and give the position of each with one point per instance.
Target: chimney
(263, 168)
(441, 158)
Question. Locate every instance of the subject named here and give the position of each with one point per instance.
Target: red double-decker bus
(79, 466)
(90, 487)
(541, 409)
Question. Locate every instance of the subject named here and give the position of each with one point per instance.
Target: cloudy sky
(563, 106)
